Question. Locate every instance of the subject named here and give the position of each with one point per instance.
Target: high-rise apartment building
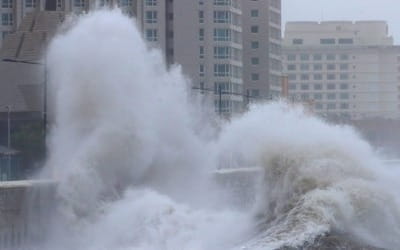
(262, 48)
(230, 46)
(230, 49)
(347, 70)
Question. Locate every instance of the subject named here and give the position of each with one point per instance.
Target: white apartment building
(344, 70)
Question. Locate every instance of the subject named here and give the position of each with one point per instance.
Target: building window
(318, 86)
(292, 76)
(304, 67)
(346, 41)
(344, 76)
(305, 87)
(275, 33)
(291, 57)
(344, 66)
(331, 86)
(305, 96)
(318, 96)
(328, 41)
(201, 70)
(304, 57)
(317, 76)
(255, 60)
(297, 41)
(255, 44)
(201, 52)
(255, 92)
(201, 34)
(4, 34)
(331, 66)
(344, 96)
(331, 106)
(344, 86)
(7, 19)
(151, 16)
(222, 35)
(254, 29)
(344, 106)
(317, 66)
(7, 3)
(124, 3)
(292, 86)
(151, 2)
(344, 57)
(317, 57)
(30, 3)
(254, 13)
(222, 52)
(330, 57)
(319, 106)
(151, 35)
(331, 96)
(222, 2)
(305, 77)
(222, 17)
(222, 70)
(255, 77)
(291, 67)
(77, 3)
(201, 16)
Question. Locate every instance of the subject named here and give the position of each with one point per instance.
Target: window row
(232, 3)
(225, 52)
(318, 86)
(305, 77)
(318, 67)
(227, 87)
(327, 96)
(7, 19)
(227, 70)
(317, 57)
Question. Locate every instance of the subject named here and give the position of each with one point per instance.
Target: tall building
(347, 70)
(230, 49)
(262, 48)
(230, 46)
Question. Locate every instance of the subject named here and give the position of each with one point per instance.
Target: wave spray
(135, 163)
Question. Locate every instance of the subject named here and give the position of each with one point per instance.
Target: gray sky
(317, 10)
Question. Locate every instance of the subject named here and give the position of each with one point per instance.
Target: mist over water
(134, 159)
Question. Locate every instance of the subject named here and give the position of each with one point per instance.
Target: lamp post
(44, 112)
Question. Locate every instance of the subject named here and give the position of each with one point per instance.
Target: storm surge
(135, 157)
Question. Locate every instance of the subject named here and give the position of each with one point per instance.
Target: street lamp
(44, 114)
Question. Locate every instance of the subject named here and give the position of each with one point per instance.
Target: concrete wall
(25, 208)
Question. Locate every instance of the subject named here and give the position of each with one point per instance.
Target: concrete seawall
(25, 208)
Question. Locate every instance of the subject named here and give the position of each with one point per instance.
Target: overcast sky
(325, 10)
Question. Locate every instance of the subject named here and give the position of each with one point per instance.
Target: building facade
(344, 70)
(262, 48)
(230, 49)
